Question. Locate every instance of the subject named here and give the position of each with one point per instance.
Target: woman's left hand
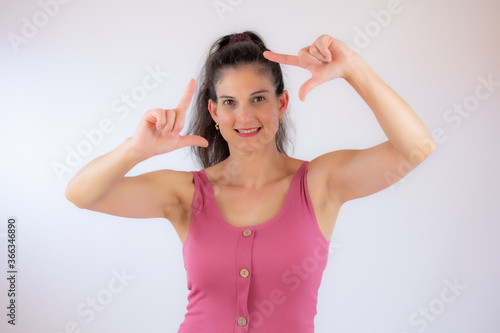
(327, 59)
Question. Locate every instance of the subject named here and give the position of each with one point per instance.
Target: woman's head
(230, 57)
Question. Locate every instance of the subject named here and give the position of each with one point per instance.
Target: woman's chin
(252, 144)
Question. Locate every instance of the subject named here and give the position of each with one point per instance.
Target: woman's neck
(253, 170)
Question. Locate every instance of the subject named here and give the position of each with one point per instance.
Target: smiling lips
(247, 131)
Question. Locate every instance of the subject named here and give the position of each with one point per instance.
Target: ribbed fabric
(284, 259)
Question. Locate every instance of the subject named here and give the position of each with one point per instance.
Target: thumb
(192, 140)
(308, 86)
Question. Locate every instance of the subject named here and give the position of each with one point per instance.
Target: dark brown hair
(230, 51)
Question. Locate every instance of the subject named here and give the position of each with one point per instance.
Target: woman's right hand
(159, 129)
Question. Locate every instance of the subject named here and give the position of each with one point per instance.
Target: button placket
(244, 271)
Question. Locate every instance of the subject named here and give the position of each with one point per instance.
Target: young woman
(255, 223)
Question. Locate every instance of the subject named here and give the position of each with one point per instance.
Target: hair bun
(239, 38)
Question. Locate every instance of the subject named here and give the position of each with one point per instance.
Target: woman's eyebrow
(259, 92)
(254, 93)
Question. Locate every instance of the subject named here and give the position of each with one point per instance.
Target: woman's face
(247, 109)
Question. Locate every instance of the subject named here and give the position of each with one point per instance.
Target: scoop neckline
(263, 224)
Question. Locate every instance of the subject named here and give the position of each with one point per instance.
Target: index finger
(282, 58)
(188, 95)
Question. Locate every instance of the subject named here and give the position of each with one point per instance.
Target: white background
(394, 254)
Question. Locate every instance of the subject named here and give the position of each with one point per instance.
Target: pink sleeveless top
(261, 278)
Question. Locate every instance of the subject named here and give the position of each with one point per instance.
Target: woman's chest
(242, 207)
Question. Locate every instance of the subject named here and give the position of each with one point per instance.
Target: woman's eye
(228, 102)
(259, 98)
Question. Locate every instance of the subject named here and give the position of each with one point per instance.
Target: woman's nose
(244, 113)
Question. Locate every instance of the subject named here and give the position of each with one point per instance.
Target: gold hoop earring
(217, 126)
(281, 121)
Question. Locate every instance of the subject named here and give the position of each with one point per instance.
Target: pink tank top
(261, 278)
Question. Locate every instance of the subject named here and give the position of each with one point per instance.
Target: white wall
(394, 254)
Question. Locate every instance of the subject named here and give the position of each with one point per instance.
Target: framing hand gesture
(327, 59)
(158, 131)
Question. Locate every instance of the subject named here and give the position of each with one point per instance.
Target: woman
(255, 223)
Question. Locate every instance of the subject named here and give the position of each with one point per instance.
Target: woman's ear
(212, 108)
(283, 103)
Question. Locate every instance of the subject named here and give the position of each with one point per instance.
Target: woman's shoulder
(178, 181)
(173, 175)
(294, 164)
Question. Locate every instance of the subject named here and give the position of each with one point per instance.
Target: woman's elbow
(71, 195)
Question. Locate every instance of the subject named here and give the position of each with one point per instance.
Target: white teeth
(248, 131)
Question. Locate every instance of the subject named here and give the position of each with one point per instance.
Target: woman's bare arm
(102, 186)
(352, 174)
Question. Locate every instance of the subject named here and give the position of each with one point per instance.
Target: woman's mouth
(248, 131)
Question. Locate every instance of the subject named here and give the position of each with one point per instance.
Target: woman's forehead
(247, 79)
